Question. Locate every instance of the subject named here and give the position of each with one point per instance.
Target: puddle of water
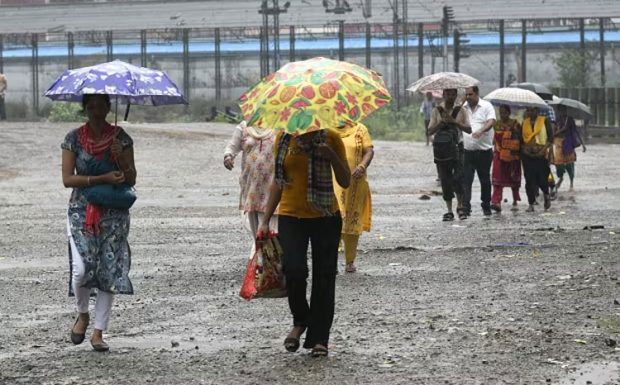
(594, 373)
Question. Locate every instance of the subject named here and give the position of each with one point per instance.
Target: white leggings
(103, 304)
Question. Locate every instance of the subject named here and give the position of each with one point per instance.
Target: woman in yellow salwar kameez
(355, 204)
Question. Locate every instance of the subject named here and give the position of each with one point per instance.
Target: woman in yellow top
(536, 141)
(308, 212)
(355, 203)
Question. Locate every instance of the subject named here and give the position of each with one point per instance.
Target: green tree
(574, 68)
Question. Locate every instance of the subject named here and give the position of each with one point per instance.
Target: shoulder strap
(440, 109)
(456, 111)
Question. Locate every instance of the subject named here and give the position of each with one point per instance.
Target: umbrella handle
(127, 111)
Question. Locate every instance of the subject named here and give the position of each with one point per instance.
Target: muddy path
(516, 298)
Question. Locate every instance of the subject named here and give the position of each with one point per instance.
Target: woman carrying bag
(308, 213)
(98, 164)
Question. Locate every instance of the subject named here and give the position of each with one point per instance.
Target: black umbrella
(574, 108)
(537, 88)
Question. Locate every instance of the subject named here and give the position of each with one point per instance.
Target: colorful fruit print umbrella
(312, 95)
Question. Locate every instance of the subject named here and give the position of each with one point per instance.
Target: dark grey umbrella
(537, 88)
(574, 108)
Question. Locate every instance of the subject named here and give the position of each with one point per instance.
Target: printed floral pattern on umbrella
(314, 94)
(443, 81)
(131, 84)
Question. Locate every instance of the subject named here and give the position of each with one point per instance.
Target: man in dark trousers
(447, 124)
(478, 149)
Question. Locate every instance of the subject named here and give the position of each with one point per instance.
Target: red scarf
(96, 149)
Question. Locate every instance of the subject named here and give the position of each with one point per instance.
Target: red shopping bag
(263, 274)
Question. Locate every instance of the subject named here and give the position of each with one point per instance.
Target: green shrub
(65, 112)
(391, 124)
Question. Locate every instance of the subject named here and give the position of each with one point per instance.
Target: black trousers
(2, 109)
(451, 176)
(477, 162)
(324, 235)
(535, 171)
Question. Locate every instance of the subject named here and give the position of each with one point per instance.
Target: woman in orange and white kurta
(355, 203)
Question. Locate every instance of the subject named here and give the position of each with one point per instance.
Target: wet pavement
(515, 298)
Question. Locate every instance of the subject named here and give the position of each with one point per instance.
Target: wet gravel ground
(516, 298)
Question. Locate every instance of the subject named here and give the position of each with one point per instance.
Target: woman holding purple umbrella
(97, 154)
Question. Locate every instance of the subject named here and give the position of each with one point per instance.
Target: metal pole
(276, 35)
(186, 63)
(109, 46)
(291, 44)
(266, 37)
(70, 50)
(341, 40)
(420, 50)
(368, 53)
(523, 51)
(601, 33)
(143, 48)
(396, 85)
(1, 53)
(405, 50)
(35, 74)
(502, 52)
(582, 51)
(218, 72)
(262, 52)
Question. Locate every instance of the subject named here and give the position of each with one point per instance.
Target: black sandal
(447, 217)
(291, 344)
(461, 213)
(319, 351)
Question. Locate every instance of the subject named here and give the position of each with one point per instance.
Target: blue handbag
(120, 196)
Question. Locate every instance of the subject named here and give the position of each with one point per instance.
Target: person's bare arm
(367, 154)
(275, 194)
(339, 165)
(71, 180)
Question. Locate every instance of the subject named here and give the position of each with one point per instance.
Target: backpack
(445, 141)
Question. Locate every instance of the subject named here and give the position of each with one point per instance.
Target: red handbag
(263, 275)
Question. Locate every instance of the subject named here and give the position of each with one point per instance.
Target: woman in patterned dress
(354, 201)
(97, 153)
(257, 171)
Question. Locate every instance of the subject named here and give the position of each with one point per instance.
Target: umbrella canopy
(130, 84)
(314, 94)
(537, 88)
(442, 81)
(574, 108)
(516, 97)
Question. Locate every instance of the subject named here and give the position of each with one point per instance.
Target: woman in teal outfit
(97, 153)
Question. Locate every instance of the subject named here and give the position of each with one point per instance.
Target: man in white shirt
(478, 149)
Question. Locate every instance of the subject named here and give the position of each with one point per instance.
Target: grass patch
(391, 124)
(610, 325)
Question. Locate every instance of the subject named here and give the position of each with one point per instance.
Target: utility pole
(395, 28)
(275, 11)
(461, 49)
(448, 16)
(340, 8)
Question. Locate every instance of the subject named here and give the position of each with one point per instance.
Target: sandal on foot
(447, 217)
(77, 338)
(99, 346)
(291, 344)
(319, 351)
(350, 268)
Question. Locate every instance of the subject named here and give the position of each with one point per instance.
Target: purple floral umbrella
(128, 83)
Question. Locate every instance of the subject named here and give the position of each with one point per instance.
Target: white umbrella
(442, 81)
(516, 97)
